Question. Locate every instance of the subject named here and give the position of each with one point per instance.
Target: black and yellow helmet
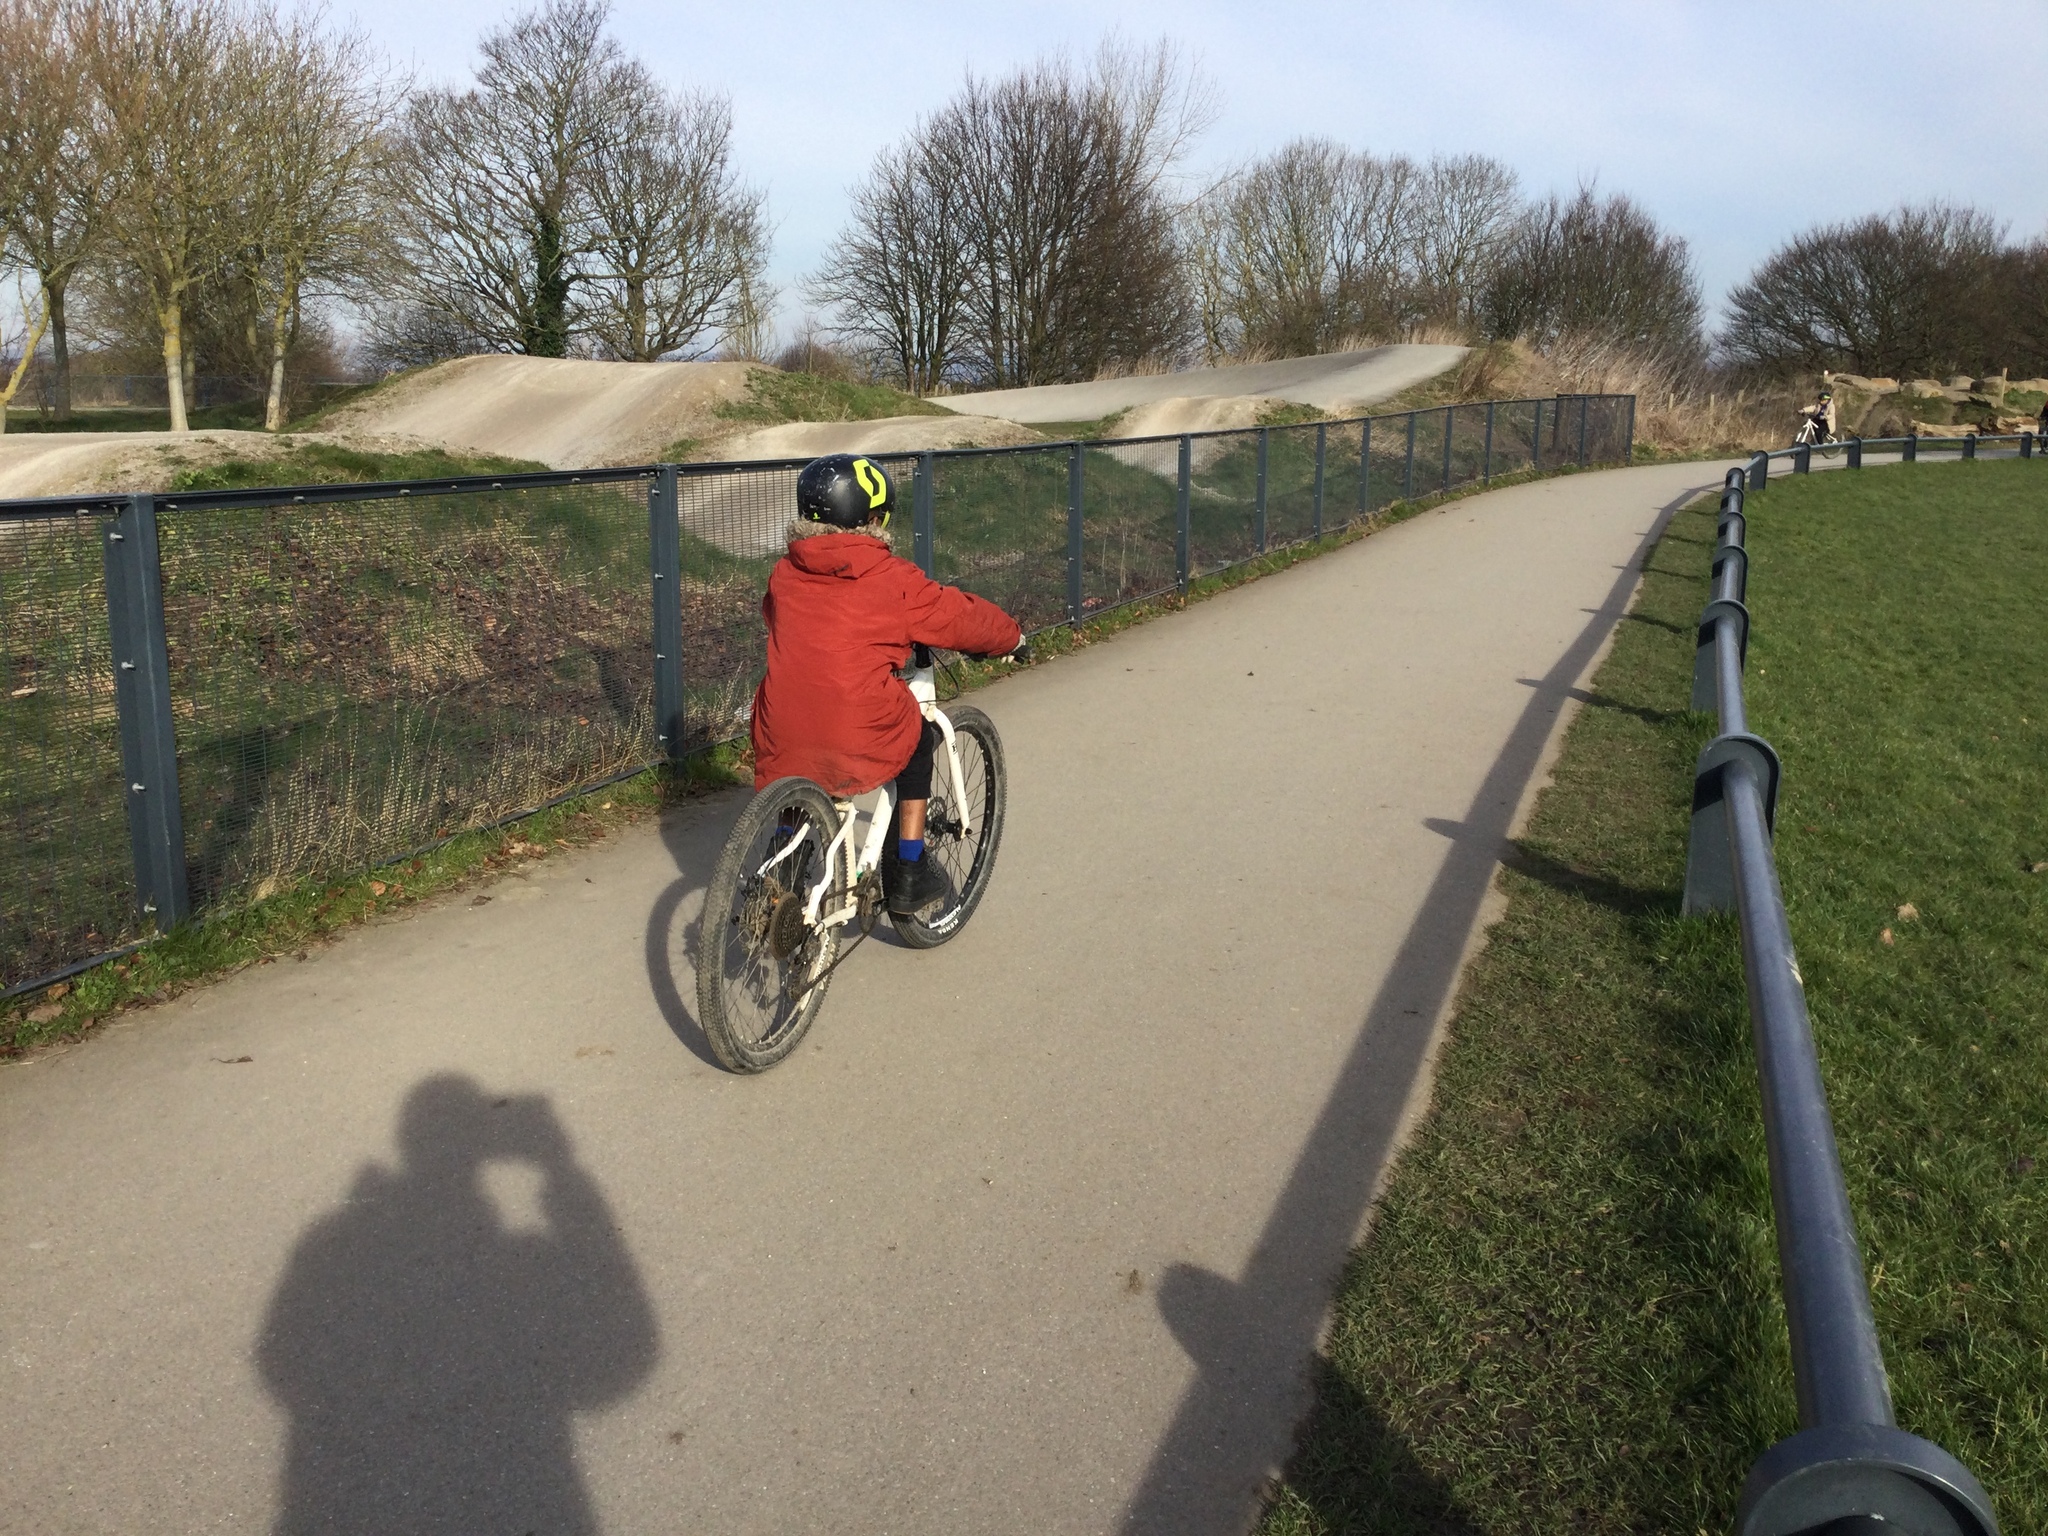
(845, 491)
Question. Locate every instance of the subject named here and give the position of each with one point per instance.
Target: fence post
(1259, 511)
(1322, 444)
(1486, 473)
(1629, 455)
(1855, 453)
(1365, 467)
(142, 700)
(1585, 410)
(921, 514)
(1408, 469)
(1536, 438)
(1969, 445)
(1912, 446)
(1450, 436)
(1759, 473)
(1802, 459)
(2026, 445)
(665, 556)
(1180, 512)
(1074, 534)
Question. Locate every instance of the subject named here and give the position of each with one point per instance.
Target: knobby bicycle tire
(752, 1004)
(967, 861)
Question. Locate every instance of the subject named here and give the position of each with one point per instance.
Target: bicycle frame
(924, 689)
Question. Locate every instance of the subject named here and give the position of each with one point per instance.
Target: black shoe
(912, 886)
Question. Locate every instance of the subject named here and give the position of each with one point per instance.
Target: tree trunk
(171, 317)
(60, 354)
(280, 338)
(12, 385)
(548, 336)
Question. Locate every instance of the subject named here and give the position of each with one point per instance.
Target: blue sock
(910, 849)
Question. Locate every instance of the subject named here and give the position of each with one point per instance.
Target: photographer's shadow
(432, 1338)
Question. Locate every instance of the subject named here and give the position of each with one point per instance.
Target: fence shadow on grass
(1249, 1337)
(432, 1345)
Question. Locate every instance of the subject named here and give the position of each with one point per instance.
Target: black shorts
(915, 780)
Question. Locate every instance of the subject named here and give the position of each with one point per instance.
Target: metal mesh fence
(353, 680)
(66, 877)
(999, 528)
(353, 673)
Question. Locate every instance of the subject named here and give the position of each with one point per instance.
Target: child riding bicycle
(1820, 418)
(843, 612)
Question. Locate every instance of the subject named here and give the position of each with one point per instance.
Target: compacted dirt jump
(1336, 381)
(453, 1226)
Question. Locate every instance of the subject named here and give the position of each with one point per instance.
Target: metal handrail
(1849, 1468)
(1757, 475)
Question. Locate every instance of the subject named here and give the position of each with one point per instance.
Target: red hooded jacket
(842, 613)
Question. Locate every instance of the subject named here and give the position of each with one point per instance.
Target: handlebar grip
(921, 655)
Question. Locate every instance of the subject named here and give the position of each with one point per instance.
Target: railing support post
(1802, 459)
(1912, 447)
(1585, 411)
(1969, 445)
(1486, 471)
(1365, 467)
(1450, 436)
(142, 700)
(665, 555)
(1629, 456)
(1259, 512)
(1855, 453)
(1536, 438)
(1759, 472)
(2026, 445)
(1322, 447)
(921, 514)
(1075, 534)
(1408, 469)
(1180, 511)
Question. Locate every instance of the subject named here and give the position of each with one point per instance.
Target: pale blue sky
(1736, 124)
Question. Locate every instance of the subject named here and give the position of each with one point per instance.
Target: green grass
(774, 397)
(1566, 1316)
(302, 463)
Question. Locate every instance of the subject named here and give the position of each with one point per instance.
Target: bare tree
(896, 278)
(170, 76)
(1465, 212)
(1306, 248)
(316, 198)
(497, 179)
(749, 331)
(676, 236)
(1595, 267)
(57, 180)
(1915, 291)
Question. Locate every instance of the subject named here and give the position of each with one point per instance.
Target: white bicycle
(797, 874)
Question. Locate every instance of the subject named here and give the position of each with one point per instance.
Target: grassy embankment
(1566, 1315)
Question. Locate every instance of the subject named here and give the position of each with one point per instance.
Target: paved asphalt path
(453, 1226)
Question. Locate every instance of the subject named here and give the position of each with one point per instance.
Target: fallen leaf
(1885, 937)
(1134, 1284)
(583, 720)
(2040, 868)
(46, 1013)
(61, 989)
(1908, 913)
(22, 693)
(233, 1061)
(376, 887)
(479, 901)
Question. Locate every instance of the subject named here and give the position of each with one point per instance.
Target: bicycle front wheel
(761, 968)
(966, 856)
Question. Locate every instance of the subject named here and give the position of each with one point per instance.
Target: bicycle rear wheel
(761, 969)
(965, 858)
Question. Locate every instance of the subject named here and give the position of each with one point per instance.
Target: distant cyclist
(1818, 421)
(843, 612)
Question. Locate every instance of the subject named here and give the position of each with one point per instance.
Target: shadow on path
(1250, 1338)
(693, 841)
(431, 1342)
